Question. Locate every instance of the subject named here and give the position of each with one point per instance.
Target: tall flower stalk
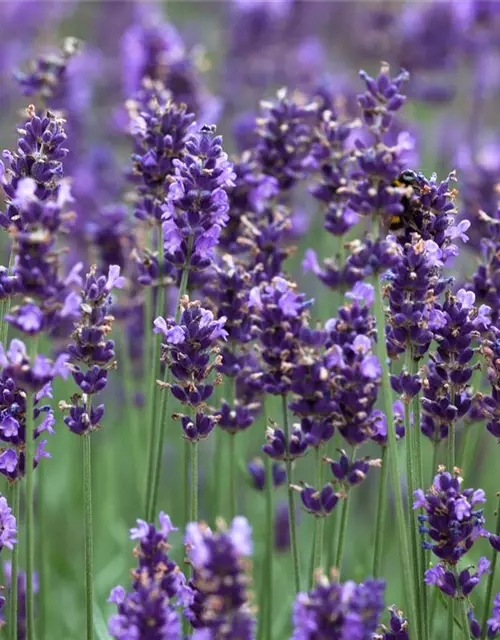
(193, 216)
(92, 348)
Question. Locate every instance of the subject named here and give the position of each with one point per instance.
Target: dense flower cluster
(451, 521)
(220, 607)
(160, 129)
(147, 610)
(92, 348)
(457, 324)
(188, 347)
(285, 137)
(197, 202)
(36, 199)
(338, 611)
(21, 375)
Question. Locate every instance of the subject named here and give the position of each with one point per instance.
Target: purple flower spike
(220, 581)
(92, 348)
(452, 520)
(197, 201)
(319, 503)
(333, 610)
(8, 526)
(149, 607)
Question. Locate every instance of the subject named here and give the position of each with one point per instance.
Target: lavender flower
(277, 448)
(454, 586)
(279, 315)
(18, 377)
(91, 347)
(285, 137)
(257, 473)
(398, 627)
(220, 607)
(456, 324)
(334, 610)
(8, 526)
(160, 129)
(413, 286)
(48, 72)
(187, 350)
(451, 521)
(197, 202)
(318, 502)
(349, 473)
(494, 621)
(147, 608)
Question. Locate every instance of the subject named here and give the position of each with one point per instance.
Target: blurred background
(222, 58)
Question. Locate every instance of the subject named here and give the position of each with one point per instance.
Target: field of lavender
(249, 320)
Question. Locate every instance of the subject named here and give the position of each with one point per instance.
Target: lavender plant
(298, 285)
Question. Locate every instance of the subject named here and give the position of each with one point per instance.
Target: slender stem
(419, 480)
(411, 479)
(14, 505)
(319, 523)
(29, 453)
(451, 619)
(187, 480)
(435, 457)
(153, 389)
(472, 433)
(232, 475)
(291, 497)
(393, 454)
(269, 548)
(491, 577)
(451, 442)
(193, 514)
(332, 524)
(6, 304)
(89, 552)
(434, 602)
(44, 565)
(155, 474)
(343, 526)
(381, 516)
(218, 460)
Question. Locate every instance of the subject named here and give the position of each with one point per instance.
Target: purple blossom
(197, 202)
(149, 607)
(334, 610)
(220, 582)
(452, 520)
(8, 526)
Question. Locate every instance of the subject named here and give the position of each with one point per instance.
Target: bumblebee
(408, 219)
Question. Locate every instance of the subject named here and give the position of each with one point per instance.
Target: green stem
(343, 526)
(151, 388)
(381, 516)
(6, 305)
(162, 419)
(14, 505)
(472, 434)
(434, 602)
(29, 453)
(291, 497)
(193, 514)
(269, 548)
(89, 554)
(44, 567)
(232, 476)
(218, 460)
(187, 456)
(319, 523)
(451, 618)
(451, 442)
(491, 577)
(393, 454)
(411, 472)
